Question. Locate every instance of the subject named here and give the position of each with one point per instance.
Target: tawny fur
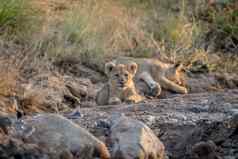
(120, 86)
(157, 74)
(102, 150)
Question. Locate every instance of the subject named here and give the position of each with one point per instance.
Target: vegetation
(96, 30)
(17, 18)
(223, 20)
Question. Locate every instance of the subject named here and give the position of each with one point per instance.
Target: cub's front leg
(170, 85)
(114, 95)
(131, 96)
(154, 87)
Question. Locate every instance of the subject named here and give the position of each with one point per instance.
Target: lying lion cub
(156, 74)
(120, 86)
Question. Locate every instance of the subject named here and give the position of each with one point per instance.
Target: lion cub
(120, 86)
(156, 74)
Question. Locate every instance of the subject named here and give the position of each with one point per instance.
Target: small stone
(205, 150)
(103, 123)
(5, 123)
(234, 121)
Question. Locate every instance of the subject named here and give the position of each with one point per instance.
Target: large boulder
(132, 139)
(62, 137)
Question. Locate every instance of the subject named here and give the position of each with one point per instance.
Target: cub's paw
(134, 99)
(184, 91)
(114, 101)
(131, 101)
(155, 90)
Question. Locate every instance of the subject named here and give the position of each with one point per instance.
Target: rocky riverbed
(180, 121)
(201, 125)
(55, 117)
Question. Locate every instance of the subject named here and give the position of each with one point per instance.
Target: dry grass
(93, 31)
(98, 29)
(41, 94)
(8, 78)
(9, 86)
(17, 64)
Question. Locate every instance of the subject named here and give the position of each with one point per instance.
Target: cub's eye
(117, 75)
(126, 74)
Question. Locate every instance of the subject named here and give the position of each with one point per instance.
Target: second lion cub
(156, 75)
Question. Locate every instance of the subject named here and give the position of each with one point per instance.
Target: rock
(202, 83)
(73, 66)
(199, 66)
(82, 88)
(211, 82)
(5, 123)
(205, 150)
(60, 135)
(132, 139)
(75, 114)
(79, 87)
(227, 80)
(233, 122)
(77, 91)
(47, 93)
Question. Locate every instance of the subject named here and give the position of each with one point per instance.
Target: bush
(222, 20)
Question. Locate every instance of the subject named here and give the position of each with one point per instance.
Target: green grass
(226, 21)
(17, 18)
(10, 11)
(222, 22)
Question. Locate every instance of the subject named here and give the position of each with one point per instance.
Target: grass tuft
(18, 19)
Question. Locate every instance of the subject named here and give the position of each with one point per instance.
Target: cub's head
(176, 73)
(120, 75)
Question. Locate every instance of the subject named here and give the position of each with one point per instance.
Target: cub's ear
(132, 68)
(109, 67)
